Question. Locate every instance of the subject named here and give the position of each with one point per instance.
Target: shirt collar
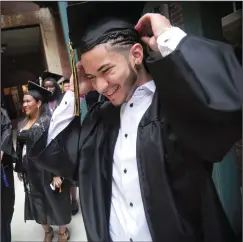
(147, 88)
(142, 91)
(150, 86)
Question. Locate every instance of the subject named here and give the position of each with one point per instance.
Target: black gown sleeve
(200, 91)
(61, 155)
(7, 135)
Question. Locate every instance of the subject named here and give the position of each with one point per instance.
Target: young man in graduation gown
(8, 157)
(145, 157)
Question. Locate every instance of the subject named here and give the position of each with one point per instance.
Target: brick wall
(176, 14)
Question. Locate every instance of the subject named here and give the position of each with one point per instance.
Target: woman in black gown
(47, 197)
(50, 83)
(8, 157)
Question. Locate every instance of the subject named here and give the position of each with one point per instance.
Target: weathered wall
(51, 37)
(50, 40)
(63, 53)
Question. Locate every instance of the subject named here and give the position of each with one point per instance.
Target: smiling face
(111, 71)
(30, 105)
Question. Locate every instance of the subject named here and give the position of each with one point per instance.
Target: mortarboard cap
(38, 92)
(85, 17)
(48, 74)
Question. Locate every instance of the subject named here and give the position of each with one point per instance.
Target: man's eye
(106, 70)
(90, 78)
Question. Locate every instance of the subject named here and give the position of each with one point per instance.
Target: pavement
(31, 231)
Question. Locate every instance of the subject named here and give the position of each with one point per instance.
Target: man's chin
(117, 102)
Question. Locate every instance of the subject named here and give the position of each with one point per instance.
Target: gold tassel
(62, 87)
(41, 81)
(75, 81)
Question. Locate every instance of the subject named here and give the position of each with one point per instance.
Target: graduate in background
(144, 159)
(65, 85)
(50, 82)
(8, 157)
(47, 196)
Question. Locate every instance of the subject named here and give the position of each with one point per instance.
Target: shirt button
(126, 135)
(125, 171)
(131, 105)
(65, 102)
(52, 119)
(131, 204)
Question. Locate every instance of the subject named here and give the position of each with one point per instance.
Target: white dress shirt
(127, 220)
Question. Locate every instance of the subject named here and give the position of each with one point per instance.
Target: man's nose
(101, 85)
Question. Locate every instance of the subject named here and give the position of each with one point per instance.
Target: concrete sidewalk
(31, 231)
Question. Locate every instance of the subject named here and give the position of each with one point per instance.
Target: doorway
(23, 59)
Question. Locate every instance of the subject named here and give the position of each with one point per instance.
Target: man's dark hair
(66, 81)
(123, 40)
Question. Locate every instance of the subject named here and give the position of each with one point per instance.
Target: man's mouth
(112, 91)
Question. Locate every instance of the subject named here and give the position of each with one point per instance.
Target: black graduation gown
(42, 204)
(46, 105)
(193, 121)
(9, 157)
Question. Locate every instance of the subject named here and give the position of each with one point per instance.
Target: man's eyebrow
(102, 67)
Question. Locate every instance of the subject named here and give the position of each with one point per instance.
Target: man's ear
(136, 54)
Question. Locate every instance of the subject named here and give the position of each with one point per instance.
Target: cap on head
(48, 75)
(38, 92)
(92, 23)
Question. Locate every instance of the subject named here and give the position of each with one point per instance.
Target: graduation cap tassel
(62, 87)
(75, 81)
(41, 81)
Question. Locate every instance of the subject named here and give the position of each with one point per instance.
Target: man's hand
(57, 181)
(84, 84)
(152, 24)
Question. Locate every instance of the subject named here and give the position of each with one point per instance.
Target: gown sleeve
(7, 135)
(200, 87)
(57, 148)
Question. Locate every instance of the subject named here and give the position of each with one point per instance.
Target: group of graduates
(143, 159)
(43, 203)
